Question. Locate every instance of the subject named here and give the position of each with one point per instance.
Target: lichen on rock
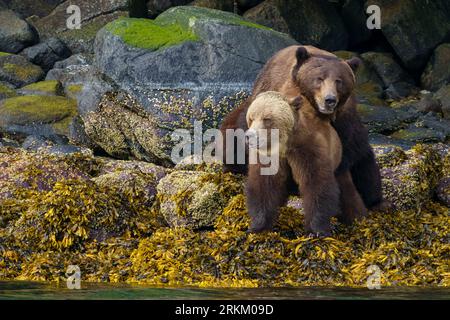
(195, 199)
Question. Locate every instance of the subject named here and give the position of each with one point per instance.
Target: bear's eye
(338, 81)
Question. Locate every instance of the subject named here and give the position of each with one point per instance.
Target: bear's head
(325, 80)
(270, 110)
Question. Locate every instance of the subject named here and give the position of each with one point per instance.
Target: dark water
(36, 290)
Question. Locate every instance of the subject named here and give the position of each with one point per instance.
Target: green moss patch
(6, 92)
(187, 15)
(52, 87)
(36, 109)
(2, 54)
(172, 27)
(147, 34)
(22, 72)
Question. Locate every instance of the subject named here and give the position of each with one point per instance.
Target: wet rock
(155, 7)
(397, 82)
(380, 139)
(428, 103)
(47, 53)
(246, 4)
(43, 88)
(354, 16)
(131, 184)
(18, 71)
(215, 72)
(15, 33)
(28, 8)
(6, 91)
(383, 119)
(443, 191)
(78, 136)
(224, 5)
(416, 134)
(38, 115)
(269, 15)
(94, 15)
(194, 199)
(389, 155)
(414, 28)
(369, 86)
(443, 96)
(109, 165)
(75, 70)
(411, 184)
(32, 171)
(33, 143)
(311, 22)
(124, 130)
(436, 73)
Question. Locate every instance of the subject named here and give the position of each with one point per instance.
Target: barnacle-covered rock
(388, 155)
(137, 187)
(195, 199)
(411, 183)
(122, 128)
(21, 170)
(443, 191)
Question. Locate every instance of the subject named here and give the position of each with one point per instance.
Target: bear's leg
(352, 206)
(320, 192)
(265, 195)
(367, 179)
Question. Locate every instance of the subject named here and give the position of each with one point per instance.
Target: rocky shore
(86, 176)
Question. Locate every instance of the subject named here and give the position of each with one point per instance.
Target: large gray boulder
(310, 22)
(94, 15)
(15, 33)
(46, 53)
(18, 71)
(188, 64)
(414, 28)
(437, 72)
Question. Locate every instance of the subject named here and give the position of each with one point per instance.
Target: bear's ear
(302, 55)
(354, 63)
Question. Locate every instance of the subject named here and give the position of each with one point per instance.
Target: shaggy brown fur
(312, 154)
(317, 74)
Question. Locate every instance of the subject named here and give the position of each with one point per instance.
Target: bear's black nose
(330, 101)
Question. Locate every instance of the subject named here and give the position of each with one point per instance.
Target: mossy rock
(73, 91)
(18, 71)
(6, 92)
(147, 34)
(419, 134)
(27, 113)
(382, 119)
(195, 199)
(43, 88)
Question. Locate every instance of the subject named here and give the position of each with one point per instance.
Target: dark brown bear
(306, 143)
(328, 83)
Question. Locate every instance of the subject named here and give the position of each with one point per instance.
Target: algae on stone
(148, 34)
(48, 87)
